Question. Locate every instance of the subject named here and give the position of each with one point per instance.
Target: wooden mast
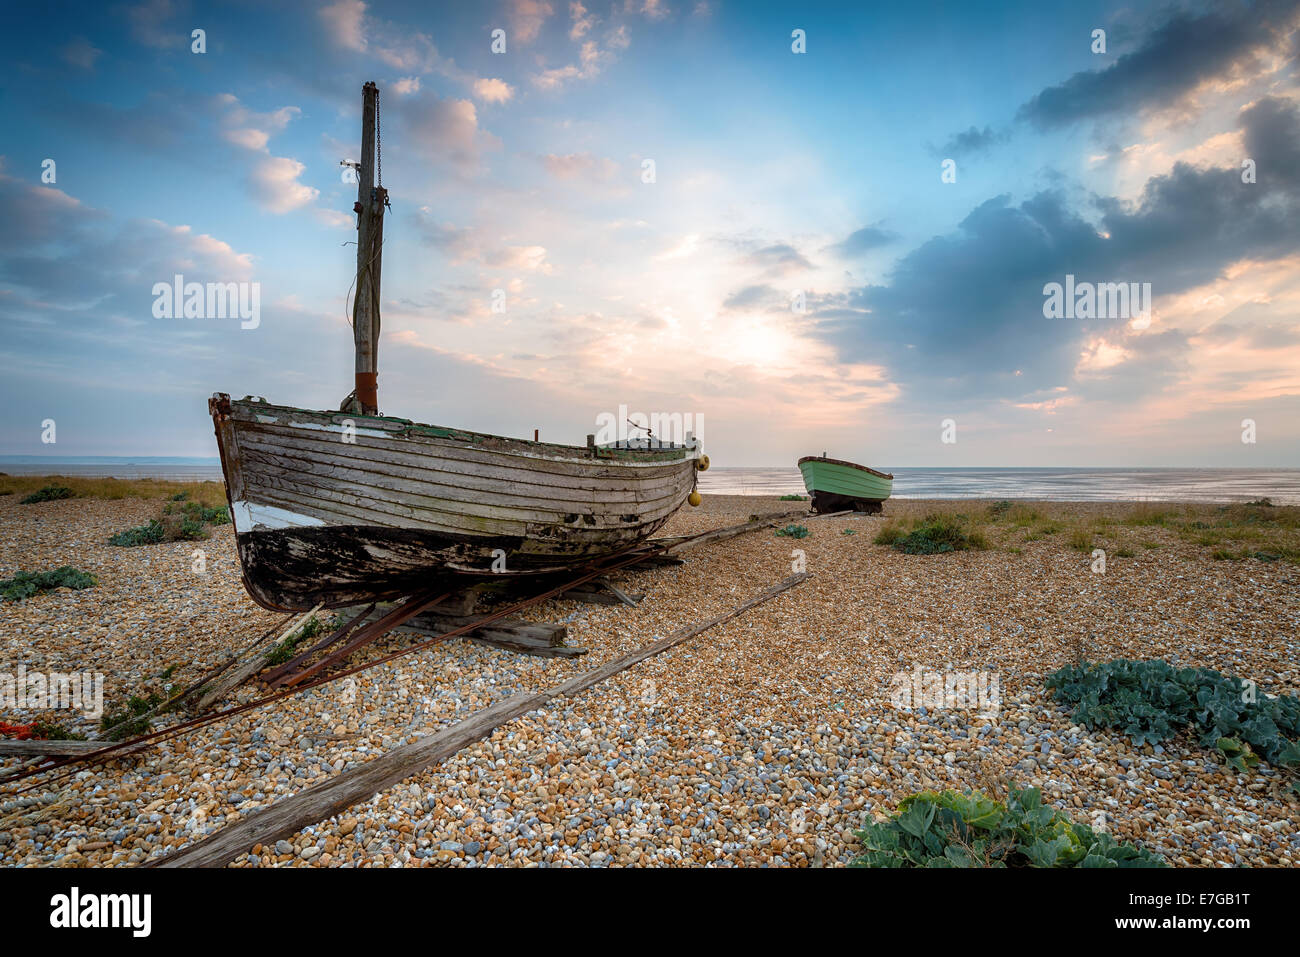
(371, 200)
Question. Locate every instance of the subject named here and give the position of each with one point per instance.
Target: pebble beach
(765, 741)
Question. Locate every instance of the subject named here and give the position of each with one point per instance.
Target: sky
(844, 249)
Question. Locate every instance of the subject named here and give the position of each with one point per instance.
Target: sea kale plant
(181, 521)
(952, 829)
(26, 584)
(1151, 701)
(48, 493)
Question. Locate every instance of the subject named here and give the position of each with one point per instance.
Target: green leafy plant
(793, 498)
(198, 512)
(793, 531)
(285, 649)
(47, 493)
(953, 829)
(150, 534)
(932, 535)
(132, 718)
(26, 584)
(49, 731)
(1150, 701)
(191, 530)
(182, 521)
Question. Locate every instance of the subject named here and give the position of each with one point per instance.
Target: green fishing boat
(836, 485)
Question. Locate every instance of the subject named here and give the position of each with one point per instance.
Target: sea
(1281, 486)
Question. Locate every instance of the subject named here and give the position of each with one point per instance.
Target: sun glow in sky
(796, 270)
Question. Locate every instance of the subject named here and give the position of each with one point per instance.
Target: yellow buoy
(702, 463)
(694, 498)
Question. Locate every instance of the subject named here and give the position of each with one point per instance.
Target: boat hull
(338, 509)
(836, 485)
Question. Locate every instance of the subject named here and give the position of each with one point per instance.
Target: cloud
(526, 19)
(401, 48)
(778, 259)
(961, 315)
(344, 21)
(248, 129)
(333, 219)
(861, 241)
(162, 123)
(753, 297)
(276, 187)
(81, 53)
(468, 244)
(492, 90)
(406, 86)
(592, 59)
(528, 258)
(651, 9)
(582, 21)
(580, 165)
(459, 243)
(78, 261)
(34, 215)
(683, 248)
(444, 129)
(971, 142)
(1174, 59)
(1272, 139)
(273, 179)
(1261, 335)
(148, 24)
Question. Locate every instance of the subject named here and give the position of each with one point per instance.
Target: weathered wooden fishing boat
(836, 485)
(348, 507)
(341, 508)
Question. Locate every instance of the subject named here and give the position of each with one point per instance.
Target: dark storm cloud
(1272, 135)
(963, 313)
(1184, 51)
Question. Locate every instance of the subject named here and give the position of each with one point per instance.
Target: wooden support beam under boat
(542, 639)
(234, 677)
(362, 636)
(592, 596)
(618, 593)
(319, 802)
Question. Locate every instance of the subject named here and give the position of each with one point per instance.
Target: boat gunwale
(852, 465)
(398, 426)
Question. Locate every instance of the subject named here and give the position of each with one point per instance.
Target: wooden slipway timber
(341, 509)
